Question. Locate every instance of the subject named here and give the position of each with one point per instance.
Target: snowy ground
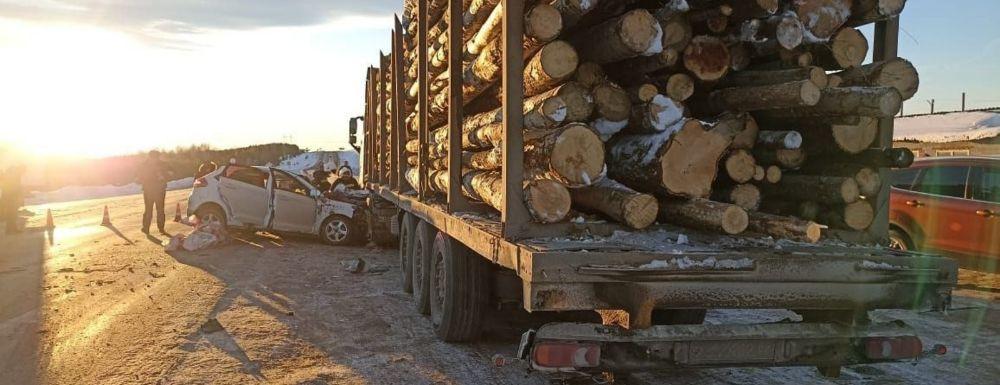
(951, 127)
(306, 162)
(76, 193)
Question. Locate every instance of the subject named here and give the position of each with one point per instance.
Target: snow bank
(951, 127)
(76, 193)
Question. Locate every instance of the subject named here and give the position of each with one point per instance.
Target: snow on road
(950, 127)
(76, 193)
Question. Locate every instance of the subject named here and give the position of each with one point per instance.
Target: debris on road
(354, 265)
(499, 360)
(202, 237)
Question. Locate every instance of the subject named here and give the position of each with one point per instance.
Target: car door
(984, 191)
(939, 207)
(295, 209)
(243, 189)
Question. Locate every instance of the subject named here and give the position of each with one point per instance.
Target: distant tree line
(181, 161)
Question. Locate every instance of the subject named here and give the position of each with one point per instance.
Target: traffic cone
(107, 217)
(177, 214)
(49, 224)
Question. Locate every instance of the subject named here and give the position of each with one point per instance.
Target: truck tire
(423, 241)
(678, 316)
(407, 227)
(459, 290)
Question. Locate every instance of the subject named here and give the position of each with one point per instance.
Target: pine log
(475, 16)
(739, 166)
(678, 87)
(642, 93)
(707, 58)
(487, 31)
(491, 159)
(823, 189)
(782, 31)
(539, 113)
(849, 138)
(869, 11)
(822, 18)
(617, 201)
(547, 201)
(677, 31)
(773, 174)
(878, 102)
(759, 173)
(846, 49)
(572, 10)
(834, 80)
(789, 140)
(542, 23)
(590, 75)
(898, 73)
(739, 56)
(632, 34)
(741, 9)
(802, 93)
(682, 164)
(784, 158)
(901, 157)
(551, 66)
(729, 125)
(572, 155)
(746, 138)
(868, 180)
(611, 103)
(577, 98)
(744, 195)
(781, 227)
(854, 216)
(761, 78)
(705, 215)
(655, 116)
(634, 70)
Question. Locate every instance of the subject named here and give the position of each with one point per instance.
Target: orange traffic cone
(107, 217)
(49, 224)
(177, 215)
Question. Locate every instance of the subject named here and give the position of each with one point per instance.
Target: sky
(104, 77)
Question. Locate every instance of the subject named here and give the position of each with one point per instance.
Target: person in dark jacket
(153, 176)
(10, 202)
(321, 179)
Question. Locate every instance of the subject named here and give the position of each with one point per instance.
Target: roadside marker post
(107, 217)
(49, 224)
(177, 214)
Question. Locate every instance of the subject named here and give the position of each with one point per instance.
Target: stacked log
(720, 115)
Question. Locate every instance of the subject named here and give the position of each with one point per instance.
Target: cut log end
(638, 30)
(690, 163)
(746, 196)
(640, 210)
(734, 220)
(849, 191)
(590, 74)
(854, 138)
(858, 215)
(740, 166)
(679, 87)
(612, 102)
(773, 174)
(849, 48)
(789, 33)
(759, 173)
(707, 58)
(578, 155)
(543, 22)
(869, 182)
(549, 201)
(558, 59)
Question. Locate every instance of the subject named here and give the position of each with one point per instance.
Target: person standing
(10, 202)
(153, 175)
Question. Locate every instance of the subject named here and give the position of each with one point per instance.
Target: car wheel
(338, 230)
(898, 240)
(423, 239)
(406, 229)
(211, 214)
(459, 291)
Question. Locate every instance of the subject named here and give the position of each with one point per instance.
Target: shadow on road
(22, 276)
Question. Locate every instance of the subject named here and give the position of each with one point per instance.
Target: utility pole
(931, 102)
(963, 102)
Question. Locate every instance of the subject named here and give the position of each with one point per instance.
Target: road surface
(89, 304)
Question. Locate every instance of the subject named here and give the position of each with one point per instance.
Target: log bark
(682, 164)
(573, 10)
(878, 102)
(572, 155)
(577, 98)
(822, 189)
(762, 78)
(868, 180)
(781, 227)
(547, 201)
(802, 93)
(747, 138)
(741, 10)
(869, 11)
(875, 157)
(555, 63)
(846, 49)
(849, 138)
(705, 215)
(822, 18)
(655, 116)
(788, 140)
(611, 103)
(635, 70)
(632, 34)
(897, 73)
(707, 58)
(590, 75)
(744, 195)
(618, 202)
(784, 158)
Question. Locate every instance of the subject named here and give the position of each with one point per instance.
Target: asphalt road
(89, 304)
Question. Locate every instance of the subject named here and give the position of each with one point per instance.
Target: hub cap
(336, 230)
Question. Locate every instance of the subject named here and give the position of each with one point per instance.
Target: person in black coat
(153, 175)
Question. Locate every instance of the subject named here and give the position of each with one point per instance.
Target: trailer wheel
(678, 316)
(459, 290)
(406, 228)
(423, 241)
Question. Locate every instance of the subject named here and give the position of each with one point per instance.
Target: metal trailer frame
(575, 276)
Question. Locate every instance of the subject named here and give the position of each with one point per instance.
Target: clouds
(175, 21)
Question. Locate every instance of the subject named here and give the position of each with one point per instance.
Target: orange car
(949, 206)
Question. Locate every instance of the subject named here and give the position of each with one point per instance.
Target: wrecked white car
(266, 198)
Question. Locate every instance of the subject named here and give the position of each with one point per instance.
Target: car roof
(956, 161)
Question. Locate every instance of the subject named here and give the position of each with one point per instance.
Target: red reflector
(200, 182)
(893, 348)
(566, 355)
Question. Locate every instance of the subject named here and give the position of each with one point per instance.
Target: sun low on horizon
(86, 90)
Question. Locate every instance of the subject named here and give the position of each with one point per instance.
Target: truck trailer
(501, 220)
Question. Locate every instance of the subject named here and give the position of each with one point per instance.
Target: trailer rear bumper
(588, 348)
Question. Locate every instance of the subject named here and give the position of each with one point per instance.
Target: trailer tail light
(200, 182)
(893, 348)
(551, 354)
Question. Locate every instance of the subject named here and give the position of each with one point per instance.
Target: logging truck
(648, 161)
